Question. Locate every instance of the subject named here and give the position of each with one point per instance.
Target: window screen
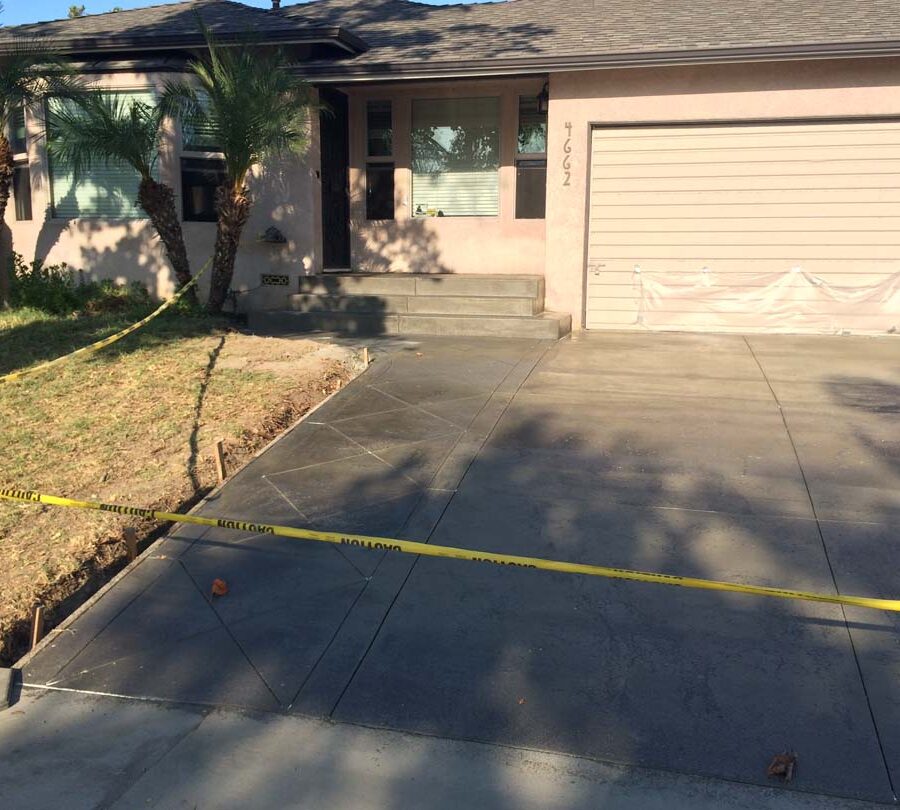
(531, 189)
(109, 190)
(198, 136)
(456, 157)
(532, 138)
(379, 191)
(22, 191)
(531, 165)
(379, 129)
(200, 180)
(17, 131)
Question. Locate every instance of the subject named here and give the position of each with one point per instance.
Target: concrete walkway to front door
(769, 460)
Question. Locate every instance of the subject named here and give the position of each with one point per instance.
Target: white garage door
(768, 227)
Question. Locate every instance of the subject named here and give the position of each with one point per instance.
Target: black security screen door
(333, 125)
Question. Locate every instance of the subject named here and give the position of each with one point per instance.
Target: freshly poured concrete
(671, 453)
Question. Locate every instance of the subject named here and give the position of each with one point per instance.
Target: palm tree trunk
(158, 201)
(234, 210)
(6, 176)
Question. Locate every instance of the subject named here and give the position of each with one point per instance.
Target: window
(379, 129)
(531, 189)
(108, 191)
(380, 165)
(531, 160)
(198, 136)
(379, 191)
(200, 180)
(22, 191)
(17, 138)
(456, 157)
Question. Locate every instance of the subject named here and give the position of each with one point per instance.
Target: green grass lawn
(133, 423)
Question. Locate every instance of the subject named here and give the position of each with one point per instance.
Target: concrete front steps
(416, 304)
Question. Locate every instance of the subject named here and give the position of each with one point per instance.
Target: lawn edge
(356, 371)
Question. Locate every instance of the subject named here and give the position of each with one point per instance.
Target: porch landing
(416, 304)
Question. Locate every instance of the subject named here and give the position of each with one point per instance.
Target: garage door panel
(756, 155)
(751, 238)
(748, 202)
(711, 210)
(787, 254)
(737, 196)
(749, 182)
(847, 165)
(806, 225)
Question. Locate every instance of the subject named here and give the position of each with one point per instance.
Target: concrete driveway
(770, 460)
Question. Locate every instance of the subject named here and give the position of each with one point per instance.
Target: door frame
(329, 94)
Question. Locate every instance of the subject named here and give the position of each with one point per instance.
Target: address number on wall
(567, 155)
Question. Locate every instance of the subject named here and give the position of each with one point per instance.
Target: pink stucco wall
(837, 88)
(286, 194)
(500, 244)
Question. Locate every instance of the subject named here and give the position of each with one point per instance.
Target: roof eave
(336, 36)
(333, 73)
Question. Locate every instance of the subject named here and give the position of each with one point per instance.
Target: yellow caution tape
(428, 550)
(101, 344)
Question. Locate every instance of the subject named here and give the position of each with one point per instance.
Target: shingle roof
(402, 35)
(172, 22)
(402, 32)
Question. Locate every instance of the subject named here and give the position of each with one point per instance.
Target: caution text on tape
(452, 552)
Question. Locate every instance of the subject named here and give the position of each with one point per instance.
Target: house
(729, 165)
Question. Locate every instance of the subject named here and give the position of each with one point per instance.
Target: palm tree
(28, 75)
(246, 101)
(102, 127)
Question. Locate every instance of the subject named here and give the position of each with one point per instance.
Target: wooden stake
(365, 356)
(131, 543)
(37, 625)
(220, 460)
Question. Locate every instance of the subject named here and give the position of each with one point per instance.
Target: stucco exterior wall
(500, 244)
(286, 194)
(837, 88)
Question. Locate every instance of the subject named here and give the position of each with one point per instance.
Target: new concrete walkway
(772, 461)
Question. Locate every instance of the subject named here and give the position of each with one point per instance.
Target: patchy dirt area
(136, 424)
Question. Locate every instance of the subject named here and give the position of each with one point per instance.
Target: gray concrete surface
(770, 460)
(82, 752)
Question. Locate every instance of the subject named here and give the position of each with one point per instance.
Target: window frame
(21, 154)
(532, 159)
(52, 216)
(184, 186)
(21, 204)
(380, 160)
(497, 99)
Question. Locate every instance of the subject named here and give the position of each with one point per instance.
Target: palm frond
(247, 101)
(29, 74)
(100, 127)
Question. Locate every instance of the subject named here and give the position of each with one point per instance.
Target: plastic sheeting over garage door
(766, 227)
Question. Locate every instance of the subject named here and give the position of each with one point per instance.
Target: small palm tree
(245, 99)
(28, 75)
(103, 127)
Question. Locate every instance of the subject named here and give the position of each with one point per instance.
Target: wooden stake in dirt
(37, 625)
(365, 356)
(131, 543)
(220, 460)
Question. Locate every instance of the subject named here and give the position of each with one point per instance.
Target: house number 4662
(567, 156)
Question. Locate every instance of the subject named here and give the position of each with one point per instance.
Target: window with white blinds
(108, 190)
(456, 157)
(199, 135)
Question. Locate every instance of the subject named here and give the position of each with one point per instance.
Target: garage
(765, 227)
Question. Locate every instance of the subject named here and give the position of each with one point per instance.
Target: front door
(335, 151)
